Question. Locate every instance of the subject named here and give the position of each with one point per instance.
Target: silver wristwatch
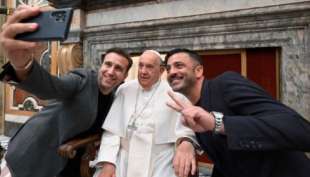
(218, 117)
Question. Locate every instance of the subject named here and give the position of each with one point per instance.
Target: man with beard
(244, 131)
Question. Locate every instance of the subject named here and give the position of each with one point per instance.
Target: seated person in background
(82, 99)
(142, 131)
(243, 129)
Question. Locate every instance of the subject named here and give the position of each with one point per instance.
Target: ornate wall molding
(285, 26)
(93, 4)
(248, 28)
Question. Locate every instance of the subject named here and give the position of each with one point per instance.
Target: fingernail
(34, 25)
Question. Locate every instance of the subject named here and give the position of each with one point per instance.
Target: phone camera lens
(59, 16)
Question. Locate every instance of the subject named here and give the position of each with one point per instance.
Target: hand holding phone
(53, 25)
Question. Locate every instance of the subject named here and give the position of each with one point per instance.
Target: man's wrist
(189, 140)
(184, 139)
(23, 71)
(218, 121)
(26, 67)
(196, 146)
(105, 163)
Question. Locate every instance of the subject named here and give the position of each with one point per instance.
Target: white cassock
(141, 131)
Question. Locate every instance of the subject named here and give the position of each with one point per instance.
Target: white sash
(140, 154)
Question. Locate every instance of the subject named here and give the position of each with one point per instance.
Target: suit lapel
(205, 100)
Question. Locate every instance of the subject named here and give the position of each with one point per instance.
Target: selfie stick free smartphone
(53, 25)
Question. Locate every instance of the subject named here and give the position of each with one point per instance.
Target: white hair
(157, 54)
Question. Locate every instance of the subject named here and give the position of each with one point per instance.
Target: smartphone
(53, 25)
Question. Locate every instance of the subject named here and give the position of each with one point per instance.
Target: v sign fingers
(174, 106)
(190, 116)
(182, 103)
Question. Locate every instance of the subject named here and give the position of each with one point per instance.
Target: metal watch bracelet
(218, 121)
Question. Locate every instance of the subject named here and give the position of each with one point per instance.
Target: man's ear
(125, 75)
(199, 71)
(162, 69)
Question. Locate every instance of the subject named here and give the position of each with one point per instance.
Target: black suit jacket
(264, 138)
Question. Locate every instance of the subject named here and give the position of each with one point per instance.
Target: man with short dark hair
(243, 129)
(81, 100)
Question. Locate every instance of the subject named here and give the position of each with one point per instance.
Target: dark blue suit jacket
(264, 138)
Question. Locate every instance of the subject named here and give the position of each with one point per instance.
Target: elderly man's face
(149, 70)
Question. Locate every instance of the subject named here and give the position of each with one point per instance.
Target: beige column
(2, 60)
(69, 57)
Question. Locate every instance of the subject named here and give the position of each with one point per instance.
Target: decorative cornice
(93, 4)
(66, 3)
(263, 20)
(217, 18)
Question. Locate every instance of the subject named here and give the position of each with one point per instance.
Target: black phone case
(53, 25)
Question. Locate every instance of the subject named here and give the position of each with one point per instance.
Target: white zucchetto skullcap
(156, 53)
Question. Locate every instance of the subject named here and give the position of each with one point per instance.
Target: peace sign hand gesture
(194, 117)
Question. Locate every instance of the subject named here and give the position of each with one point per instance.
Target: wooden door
(259, 65)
